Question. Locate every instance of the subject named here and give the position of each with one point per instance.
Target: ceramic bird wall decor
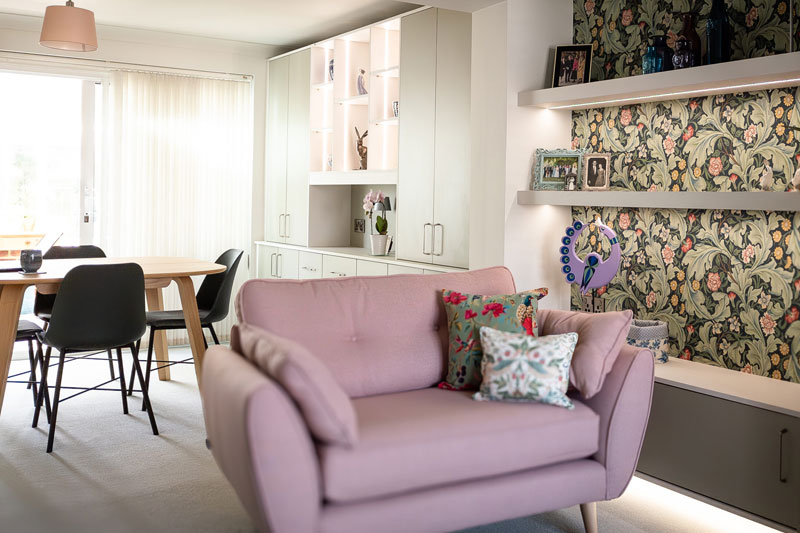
(594, 271)
(796, 180)
(767, 179)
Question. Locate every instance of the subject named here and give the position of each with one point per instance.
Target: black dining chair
(30, 332)
(97, 307)
(43, 304)
(213, 303)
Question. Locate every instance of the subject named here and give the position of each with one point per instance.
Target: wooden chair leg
(589, 514)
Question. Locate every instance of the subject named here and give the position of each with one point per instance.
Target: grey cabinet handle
(287, 225)
(279, 266)
(308, 268)
(425, 237)
(441, 239)
(281, 218)
(339, 274)
(272, 261)
(782, 477)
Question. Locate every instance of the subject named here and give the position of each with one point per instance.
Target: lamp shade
(69, 28)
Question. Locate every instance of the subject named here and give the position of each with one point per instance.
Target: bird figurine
(766, 180)
(594, 271)
(796, 180)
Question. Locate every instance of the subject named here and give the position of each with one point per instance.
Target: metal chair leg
(32, 379)
(145, 394)
(122, 382)
(133, 371)
(39, 359)
(111, 364)
(42, 389)
(52, 434)
(150, 350)
(213, 333)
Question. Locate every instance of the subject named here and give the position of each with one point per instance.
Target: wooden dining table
(159, 272)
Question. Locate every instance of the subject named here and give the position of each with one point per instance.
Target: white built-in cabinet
(277, 262)
(287, 184)
(434, 138)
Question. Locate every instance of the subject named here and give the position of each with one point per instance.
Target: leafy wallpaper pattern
(726, 282)
(620, 30)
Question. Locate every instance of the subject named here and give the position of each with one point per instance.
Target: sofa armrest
(624, 408)
(261, 444)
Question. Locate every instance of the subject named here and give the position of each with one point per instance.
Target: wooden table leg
(193, 326)
(10, 305)
(155, 302)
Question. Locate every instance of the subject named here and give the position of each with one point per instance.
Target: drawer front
(370, 268)
(734, 453)
(337, 267)
(402, 269)
(310, 265)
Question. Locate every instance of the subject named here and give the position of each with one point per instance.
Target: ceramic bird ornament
(766, 180)
(796, 180)
(593, 272)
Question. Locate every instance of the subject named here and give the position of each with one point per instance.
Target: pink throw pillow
(326, 408)
(600, 338)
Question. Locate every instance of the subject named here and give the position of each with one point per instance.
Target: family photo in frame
(572, 65)
(596, 172)
(557, 170)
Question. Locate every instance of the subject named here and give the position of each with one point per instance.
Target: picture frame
(572, 65)
(596, 172)
(553, 167)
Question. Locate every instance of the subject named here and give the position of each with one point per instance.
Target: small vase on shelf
(651, 62)
(683, 57)
(718, 34)
(689, 33)
(664, 51)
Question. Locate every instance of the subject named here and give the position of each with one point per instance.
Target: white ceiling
(276, 22)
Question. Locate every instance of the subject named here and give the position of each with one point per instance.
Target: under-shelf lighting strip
(677, 94)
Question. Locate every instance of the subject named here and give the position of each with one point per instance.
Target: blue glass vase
(651, 62)
(718, 34)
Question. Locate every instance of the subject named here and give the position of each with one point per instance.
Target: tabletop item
(689, 33)
(652, 61)
(683, 57)
(593, 272)
(718, 34)
(30, 260)
(664, 51)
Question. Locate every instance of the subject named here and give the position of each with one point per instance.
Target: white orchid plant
(372, 198)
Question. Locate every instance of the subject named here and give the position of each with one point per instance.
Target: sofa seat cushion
(429, 437)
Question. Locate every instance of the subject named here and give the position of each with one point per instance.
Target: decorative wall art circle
(594, 271)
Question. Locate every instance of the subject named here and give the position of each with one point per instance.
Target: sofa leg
(589, 514)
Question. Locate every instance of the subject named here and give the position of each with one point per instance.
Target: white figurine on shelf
(796, 180)
(361, 84)
(766, 180)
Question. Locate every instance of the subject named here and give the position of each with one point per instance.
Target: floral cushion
(466, 313)
(523, 368)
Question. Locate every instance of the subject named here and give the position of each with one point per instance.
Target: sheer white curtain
(177, 171)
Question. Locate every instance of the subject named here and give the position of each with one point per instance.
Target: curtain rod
(82, 62)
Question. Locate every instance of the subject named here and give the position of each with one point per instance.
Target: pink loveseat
(426, 459)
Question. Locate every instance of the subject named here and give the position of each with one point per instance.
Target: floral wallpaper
(726, 282)
(620, 30)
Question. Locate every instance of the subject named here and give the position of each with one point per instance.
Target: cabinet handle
(425, 237)
(308, 268)
(287, 226)
(339, 274)
(782, 477)
(272, 264)
(280, 231)
(441, 239)
(279, 266)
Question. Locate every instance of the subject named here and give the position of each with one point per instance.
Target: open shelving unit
(782, 70)
(753, 201)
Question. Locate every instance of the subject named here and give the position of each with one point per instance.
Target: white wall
(158, 49)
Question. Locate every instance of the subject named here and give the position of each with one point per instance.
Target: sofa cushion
(600, 338)
(376, 334)
(521, 368)
(431, 437)
(326, 408)
(466, 314)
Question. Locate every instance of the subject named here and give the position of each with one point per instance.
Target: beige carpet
(109, 473)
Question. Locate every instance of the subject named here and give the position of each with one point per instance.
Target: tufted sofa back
(377, 334)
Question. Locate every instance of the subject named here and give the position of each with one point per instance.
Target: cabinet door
(298, 149)
(370, 268)
(402, 269)
(266, 261)
(286, 265)
(416, 136)
(310, 266)
(734, 453)
(337, 267)
(277, 123)
(452, 139)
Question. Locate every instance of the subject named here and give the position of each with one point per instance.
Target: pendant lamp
(69, 28)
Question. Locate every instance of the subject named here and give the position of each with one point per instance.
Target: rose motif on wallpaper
(619, 31)
(726, 282)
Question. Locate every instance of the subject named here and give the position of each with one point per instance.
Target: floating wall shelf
(387, 122)
(355, 177)
(362, 99)
(391, 72)
(782, 70)
(753, 201)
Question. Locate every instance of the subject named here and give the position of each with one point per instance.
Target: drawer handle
(339, 274)
(783, 478)
(272, 261)
(309, 269)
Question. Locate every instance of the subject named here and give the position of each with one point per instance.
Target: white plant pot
(377, 244)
